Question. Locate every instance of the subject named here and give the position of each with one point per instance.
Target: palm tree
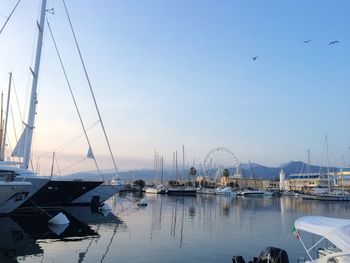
(226, 173)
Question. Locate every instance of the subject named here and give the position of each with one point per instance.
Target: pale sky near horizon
(167, 73)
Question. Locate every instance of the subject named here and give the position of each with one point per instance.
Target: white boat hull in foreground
(335, 230)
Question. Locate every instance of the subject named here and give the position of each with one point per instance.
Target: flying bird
(307, 41)
(333, 42)
(255, 58)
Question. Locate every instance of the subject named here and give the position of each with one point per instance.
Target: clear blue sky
(168, 73)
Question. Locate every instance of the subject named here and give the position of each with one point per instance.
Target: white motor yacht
(226, 191)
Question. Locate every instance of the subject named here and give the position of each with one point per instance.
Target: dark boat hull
(180, 191)
(59, 193)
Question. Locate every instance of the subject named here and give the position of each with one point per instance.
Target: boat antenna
(91, 90)
(29, 127)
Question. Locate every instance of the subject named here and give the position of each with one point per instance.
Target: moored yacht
(251, 193)
(12, 194)
(181, 190)
(56, 193)
(100, 194)
(23, 182)
(225, 191)
(152, 190)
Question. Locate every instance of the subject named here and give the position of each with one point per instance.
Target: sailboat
(14, 190)
(251, 191)
(335, 195)
(51, 192)
(181, 190)
(157, 188)
(328, 194)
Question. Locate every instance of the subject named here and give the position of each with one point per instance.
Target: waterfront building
(342, 179)
(308, 182)
(235, 182)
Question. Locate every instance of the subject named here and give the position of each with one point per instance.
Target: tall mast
(342, 172)
(176, 170)
(33, 97)
(2, 153)
(162, 169)
(308, 169)
(174, 165)
(155, 164)
(183, 162)
(1, 121)
(329, 182)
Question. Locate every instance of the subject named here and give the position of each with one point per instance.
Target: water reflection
(247, 223)
(170, 227)
(28, 238)
(15, 242)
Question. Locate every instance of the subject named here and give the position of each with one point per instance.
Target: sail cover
(335, 230)
(18, 151)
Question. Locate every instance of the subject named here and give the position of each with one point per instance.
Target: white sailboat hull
(102, 192)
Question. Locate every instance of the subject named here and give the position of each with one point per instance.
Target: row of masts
(328, 165)
(179, 174)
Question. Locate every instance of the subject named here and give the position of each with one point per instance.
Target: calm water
(170, 229)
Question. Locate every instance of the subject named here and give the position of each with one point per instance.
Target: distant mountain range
(294, 167)
(259, 171)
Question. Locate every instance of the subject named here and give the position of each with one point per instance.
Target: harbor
(204, 228)
(179, 131)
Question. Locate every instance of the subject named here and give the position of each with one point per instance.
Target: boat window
(19, 197)
(8, 176)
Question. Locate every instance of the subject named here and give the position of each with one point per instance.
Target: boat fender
(142, 202)
(59, 219)
(58, 229)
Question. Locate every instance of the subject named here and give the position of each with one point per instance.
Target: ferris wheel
(218, 161)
